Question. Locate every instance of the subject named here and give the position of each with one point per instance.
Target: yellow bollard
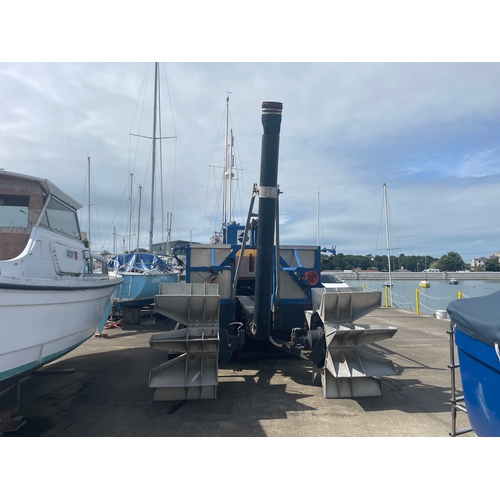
(386, 297)
(460, 295)
(417, 302)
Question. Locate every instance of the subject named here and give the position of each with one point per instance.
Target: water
(436, 297)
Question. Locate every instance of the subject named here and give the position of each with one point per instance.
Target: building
(474, 263)
(482, 260)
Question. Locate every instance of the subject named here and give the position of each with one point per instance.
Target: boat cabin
(26, 202)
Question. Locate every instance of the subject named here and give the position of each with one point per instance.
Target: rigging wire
(140, 100)
(379, 232)
(120, 210)
(218, 197)
(237, 198)
(161, 167)
(136, 154)
(394, 244)
(94, 214)
(210, 166)
(175, 141)
(134, 157)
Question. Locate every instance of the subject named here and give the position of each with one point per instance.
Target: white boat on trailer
(53, 290)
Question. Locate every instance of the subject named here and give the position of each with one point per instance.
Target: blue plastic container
(476, 322)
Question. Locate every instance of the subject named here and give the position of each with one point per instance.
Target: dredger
(250, 290)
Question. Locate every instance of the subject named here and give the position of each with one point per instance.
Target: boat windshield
(14, 210)
(330, 278)
(59, 217)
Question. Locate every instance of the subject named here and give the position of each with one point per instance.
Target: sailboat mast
(169, 230)
(139, 219)
(387, 240)
(317, 224)
(225, 175)
(151, 225)
(130, 215)
(230, 175)
(88, 235)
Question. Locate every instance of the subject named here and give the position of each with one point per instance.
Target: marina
(233, 331)
(250, 345)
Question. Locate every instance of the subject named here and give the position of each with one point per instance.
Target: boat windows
(14, 210)
(59, 217)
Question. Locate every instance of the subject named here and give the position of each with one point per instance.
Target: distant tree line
(491, 264)
(451, 261)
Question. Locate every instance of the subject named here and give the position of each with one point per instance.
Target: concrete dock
(101, 389)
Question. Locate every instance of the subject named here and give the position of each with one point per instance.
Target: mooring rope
(401, 304)
(437, 298)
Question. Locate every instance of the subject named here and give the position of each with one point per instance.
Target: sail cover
(138, 262)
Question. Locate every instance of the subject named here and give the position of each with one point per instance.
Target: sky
(422, 121)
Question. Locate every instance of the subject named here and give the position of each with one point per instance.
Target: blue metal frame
(296, 273)
(229, 265)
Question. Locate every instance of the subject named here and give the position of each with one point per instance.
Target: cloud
(480, 164)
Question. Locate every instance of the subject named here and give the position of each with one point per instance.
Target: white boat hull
(39, 326)
(53, 290)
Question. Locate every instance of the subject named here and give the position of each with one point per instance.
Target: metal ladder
(124, 289)
(457, 402)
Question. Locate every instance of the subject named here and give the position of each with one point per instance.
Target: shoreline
(409, 275)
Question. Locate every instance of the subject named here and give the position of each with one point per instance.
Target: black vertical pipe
(268, 193)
